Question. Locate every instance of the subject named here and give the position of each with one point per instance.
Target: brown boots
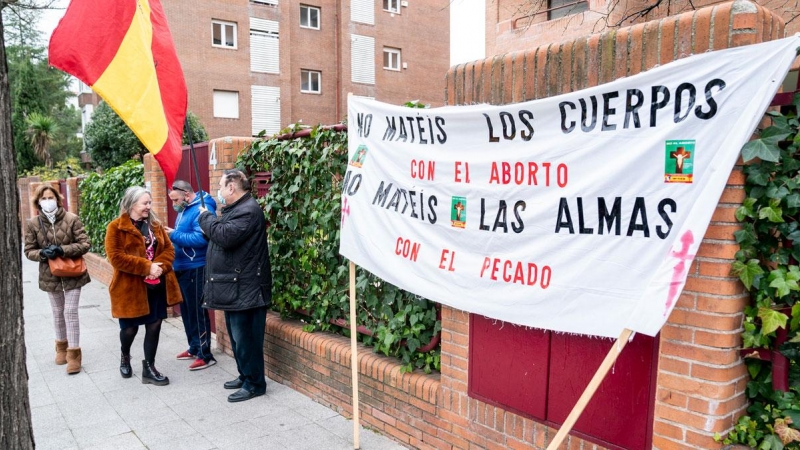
(61, 352)
(73, 360)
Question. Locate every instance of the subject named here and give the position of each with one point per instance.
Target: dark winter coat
(126, 252)
(68, 232)
(238, 274)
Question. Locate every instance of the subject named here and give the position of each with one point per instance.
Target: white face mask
(48, 205)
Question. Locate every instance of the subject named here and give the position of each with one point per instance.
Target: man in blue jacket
(238, 279)
(189, 265)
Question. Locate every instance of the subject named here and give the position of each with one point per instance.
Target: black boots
(125, 366)
(152, 376)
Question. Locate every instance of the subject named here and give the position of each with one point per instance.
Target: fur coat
(126, 252)
(68, 232)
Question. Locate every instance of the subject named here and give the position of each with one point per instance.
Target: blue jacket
(190, 244)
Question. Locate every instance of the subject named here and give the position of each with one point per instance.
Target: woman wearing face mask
(56, 232)
(143, 283)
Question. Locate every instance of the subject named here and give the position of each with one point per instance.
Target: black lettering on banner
(564, 220)
(382, 194)
(639, 209)
(656, 105)
(632, 109)
(608, 111)
(712, 104)
(664, 215)
(564, 128)
(679, 100)
(523, 117)
(613, 217)
(391, 129)
(584, 112)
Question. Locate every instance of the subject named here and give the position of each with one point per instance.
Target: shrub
(304, 210)
(100, 196)
(767, 264)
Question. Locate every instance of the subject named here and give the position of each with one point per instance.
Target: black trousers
(246, 331)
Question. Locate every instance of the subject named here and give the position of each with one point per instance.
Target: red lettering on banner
(407, 249)
(459, 171)
(422, 170)
(516, 272)
(444, 259)
(528, 173)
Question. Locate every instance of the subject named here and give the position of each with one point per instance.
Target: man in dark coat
(238, 278)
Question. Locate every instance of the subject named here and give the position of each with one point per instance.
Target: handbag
(63, 266)
(67, 267)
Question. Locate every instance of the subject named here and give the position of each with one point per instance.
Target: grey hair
(130, 197)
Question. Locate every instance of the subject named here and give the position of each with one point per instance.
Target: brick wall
(701, 378)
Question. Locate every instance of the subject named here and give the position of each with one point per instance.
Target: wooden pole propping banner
(354, 354)
(588, 393)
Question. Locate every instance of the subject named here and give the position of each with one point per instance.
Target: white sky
(467, 27)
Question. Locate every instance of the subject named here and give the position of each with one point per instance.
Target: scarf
(150, 241)
(50, 216)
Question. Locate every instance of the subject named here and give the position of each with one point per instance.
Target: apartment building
(253, 65)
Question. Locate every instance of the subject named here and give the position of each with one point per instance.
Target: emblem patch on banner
(458, 212)
(679, 161)
(360, 156)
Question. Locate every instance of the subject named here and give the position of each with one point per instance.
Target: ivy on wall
(767, 264)
(303, 208)
(100, 196)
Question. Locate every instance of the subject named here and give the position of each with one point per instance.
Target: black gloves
(51, 252)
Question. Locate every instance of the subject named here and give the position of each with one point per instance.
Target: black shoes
(152, 376)
(234, 384)
(125, 366)
(242, 395)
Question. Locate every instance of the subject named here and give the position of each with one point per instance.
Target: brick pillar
(23, 187)
(155, 181)
(73, 194)
(701, 378)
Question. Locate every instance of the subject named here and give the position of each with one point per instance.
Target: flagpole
(576, 412)
(194, 160)
(354, 354)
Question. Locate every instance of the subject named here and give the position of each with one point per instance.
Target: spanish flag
(123, 49)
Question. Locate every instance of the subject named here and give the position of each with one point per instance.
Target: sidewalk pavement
(98, 409)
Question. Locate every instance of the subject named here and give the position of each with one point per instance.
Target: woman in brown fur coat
(143, 284)
(56, 232)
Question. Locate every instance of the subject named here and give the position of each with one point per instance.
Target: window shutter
(266, 109)
(363, 11)
(264, 46)
(362, 59)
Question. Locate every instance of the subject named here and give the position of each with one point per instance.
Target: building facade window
(266, 2)
(362, 11)
(309, 17)
(226, 104)
(266, 109)
(311, 81)
(563, 8)
(264, 46)
(393, 6)
(362, 59)
(391, 58)
(223, 34)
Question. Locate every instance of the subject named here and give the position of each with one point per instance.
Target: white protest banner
(579, 213)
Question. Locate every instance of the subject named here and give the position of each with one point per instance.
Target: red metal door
(186, 172)
(541, 375)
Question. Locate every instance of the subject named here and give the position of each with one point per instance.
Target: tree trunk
(15, 409)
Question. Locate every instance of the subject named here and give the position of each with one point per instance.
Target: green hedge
(304, 211)
(100, 196)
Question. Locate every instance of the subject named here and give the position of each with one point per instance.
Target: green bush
(304, 210)
(767, 264)
(71, 167)
(100, 196)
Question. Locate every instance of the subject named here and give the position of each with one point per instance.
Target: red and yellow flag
(123, 49)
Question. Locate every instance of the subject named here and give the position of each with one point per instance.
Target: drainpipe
(338, 69)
